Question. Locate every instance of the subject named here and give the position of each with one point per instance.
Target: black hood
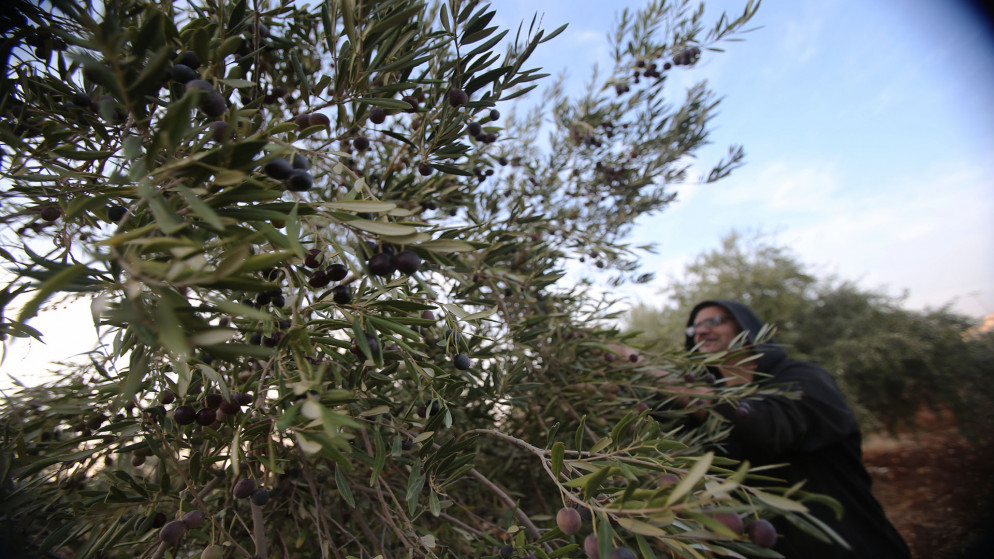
(747, 320)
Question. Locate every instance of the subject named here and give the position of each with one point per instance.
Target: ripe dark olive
(300, 162)
(425, 169)
(569, 521)
(381, 264)
(190, 59)
(709, 378)
(689, 377)
(213, 400)
(278, 168)
(202, 85)
(337, 272)
(219, 130)
(407, 262)
(244, 398)
(81, 99)
(377, 115)
(490, 137)
(167, 396)
(762, 533)
(494, 114)
(243, 488)
(318, 119)
(260, 497)
(634, 358)
(299, 181)
(590, 546)
(458, 97)
(184, 415)
(206, 416)
(214, 104)
(51, 213)
(230, 407)
(622, 553)
(412, 102)
(427, 315)
(361, 143)
(341, 294)
(182, 73)
(462, 361)
(318, 279)
(194, 519)
(506, 551)
(452, 337)
(302, 120)
(743, 410)
(172, 532)
(313, 258)
(374, 346)
(475, 129)
(423, 410)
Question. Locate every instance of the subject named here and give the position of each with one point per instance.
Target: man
(816, 435)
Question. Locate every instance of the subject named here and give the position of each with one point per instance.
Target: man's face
(714, 329)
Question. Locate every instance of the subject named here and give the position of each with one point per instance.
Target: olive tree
(328, 278)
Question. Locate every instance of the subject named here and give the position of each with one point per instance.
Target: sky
(869, 134)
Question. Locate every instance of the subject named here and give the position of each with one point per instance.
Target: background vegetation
(889, 360)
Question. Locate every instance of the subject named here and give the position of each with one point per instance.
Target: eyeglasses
(712, 322)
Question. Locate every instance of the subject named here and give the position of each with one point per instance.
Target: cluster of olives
(475, 129)
(686, 57)
(295, 174)
(385, 263)
(214, 408)
(570, 520)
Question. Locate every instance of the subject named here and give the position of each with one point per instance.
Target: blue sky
(869, 133)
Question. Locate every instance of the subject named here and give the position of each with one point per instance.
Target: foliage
(319, 261)
(889, 360)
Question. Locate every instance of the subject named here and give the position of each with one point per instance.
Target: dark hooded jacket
(817, 436)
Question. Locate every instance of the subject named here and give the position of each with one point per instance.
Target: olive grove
(327, 274)
(889, 360)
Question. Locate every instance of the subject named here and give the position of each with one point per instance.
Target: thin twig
(259, 532)
(532, 529)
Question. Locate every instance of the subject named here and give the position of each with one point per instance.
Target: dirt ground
(937, 488)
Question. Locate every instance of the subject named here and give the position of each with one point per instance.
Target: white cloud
(782, 187)
(930, 233)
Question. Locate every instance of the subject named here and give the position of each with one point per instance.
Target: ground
(937, 487)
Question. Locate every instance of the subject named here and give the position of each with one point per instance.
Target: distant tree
(767, 277)
(327, 274)
(889, 360)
